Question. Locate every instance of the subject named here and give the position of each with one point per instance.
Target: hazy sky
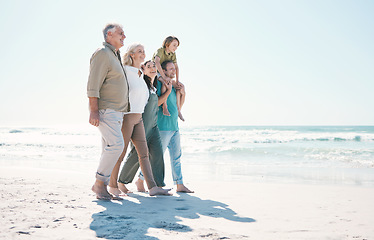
(242, 62)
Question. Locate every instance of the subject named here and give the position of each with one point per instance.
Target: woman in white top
(133, 127)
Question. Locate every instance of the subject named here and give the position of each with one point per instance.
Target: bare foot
(123, 189)
(116, 198)
(140, 185)
(182, 188)
(165, 110)
(101, 192)
(116, 192)
(180, 116)
(159, 191)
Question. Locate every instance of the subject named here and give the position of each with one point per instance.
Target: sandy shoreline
(52, 204)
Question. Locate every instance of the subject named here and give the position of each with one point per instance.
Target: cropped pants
(133, 128)
(155, 156)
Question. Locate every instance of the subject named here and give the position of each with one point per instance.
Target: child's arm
(159, 69)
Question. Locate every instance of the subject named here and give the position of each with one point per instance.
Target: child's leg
(165, 110)
(179, 97)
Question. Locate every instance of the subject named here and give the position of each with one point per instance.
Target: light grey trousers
(112, 142)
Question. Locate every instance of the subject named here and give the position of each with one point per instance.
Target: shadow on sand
(132, 217)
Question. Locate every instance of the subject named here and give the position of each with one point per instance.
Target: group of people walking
(140, 101)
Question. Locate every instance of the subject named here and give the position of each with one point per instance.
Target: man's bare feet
(116, 192)
(165, 110)
(140, 185)
(159, 191)
(123, 189)
(180, 116)
(99, 188)
(182, 188)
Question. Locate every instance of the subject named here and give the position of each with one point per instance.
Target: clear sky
(242, 62)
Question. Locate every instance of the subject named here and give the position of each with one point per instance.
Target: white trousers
(112, 142)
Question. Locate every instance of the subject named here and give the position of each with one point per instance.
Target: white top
(138, 90)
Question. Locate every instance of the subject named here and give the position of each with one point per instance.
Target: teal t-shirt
(168, 123)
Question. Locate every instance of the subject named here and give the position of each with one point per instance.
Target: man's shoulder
(102, 53)
(103, 50)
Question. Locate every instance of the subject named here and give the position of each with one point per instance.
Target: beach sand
(56, 204)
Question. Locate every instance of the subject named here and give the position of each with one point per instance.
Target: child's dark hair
(164, 64)
(147, 79)
(168, 40)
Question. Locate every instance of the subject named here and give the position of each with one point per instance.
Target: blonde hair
(127, 60)
(168, 40)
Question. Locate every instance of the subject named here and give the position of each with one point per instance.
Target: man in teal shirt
(168, 126)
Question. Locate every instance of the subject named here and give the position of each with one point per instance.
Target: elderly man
(108, 94)
(168, 125)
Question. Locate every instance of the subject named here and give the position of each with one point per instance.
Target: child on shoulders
(167, 53)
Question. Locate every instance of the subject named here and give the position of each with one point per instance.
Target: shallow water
(331, 154)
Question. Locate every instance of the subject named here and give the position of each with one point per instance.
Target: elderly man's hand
(94, 118)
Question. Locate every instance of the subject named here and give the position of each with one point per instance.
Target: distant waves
(241, 149)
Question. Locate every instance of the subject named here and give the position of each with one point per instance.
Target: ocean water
(301, 154)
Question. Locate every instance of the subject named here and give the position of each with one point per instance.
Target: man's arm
(164, 97)
(176, 71)
(94, 111)
(98, 71)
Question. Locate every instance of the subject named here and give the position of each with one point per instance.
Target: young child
(167, 53)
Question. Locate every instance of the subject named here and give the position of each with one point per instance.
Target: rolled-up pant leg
(112, 142)
(129, 122)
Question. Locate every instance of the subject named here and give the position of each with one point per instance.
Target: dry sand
(51, 204)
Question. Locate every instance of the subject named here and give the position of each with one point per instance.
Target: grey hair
(127, 59)
(110, 27)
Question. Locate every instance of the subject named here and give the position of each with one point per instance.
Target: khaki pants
(133, 128)
(156, 155)
(112, 142)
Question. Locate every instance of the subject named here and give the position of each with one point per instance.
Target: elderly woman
(152, 135)
(132, 127)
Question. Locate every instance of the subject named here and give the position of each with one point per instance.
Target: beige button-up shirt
(107, 80)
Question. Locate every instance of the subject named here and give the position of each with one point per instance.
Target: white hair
(110, 27)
